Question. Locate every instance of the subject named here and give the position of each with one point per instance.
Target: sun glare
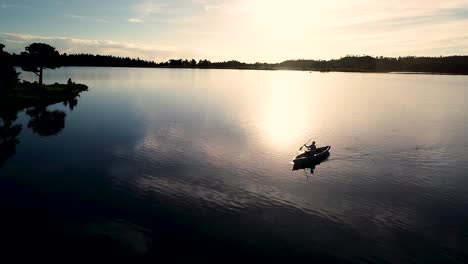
(272, 26)
(283, 116)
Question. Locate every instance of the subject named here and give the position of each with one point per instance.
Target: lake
(155, 163)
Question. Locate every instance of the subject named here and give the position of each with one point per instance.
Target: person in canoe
(312, 147)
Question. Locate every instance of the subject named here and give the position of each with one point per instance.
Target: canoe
(309, 156)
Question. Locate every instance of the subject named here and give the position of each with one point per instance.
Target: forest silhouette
(349, 63)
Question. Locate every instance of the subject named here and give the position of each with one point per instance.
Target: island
(26, 95)
(33, 97)
(16, 95)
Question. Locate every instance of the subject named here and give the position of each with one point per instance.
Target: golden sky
(246, 30)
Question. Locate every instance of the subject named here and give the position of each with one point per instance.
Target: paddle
(305, 144)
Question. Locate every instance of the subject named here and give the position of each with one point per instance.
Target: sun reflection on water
(284, 114)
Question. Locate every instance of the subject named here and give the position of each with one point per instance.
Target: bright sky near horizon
(245, 30)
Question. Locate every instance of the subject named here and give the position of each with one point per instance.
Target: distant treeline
(447, 65)
(451, 65)
(95, 61)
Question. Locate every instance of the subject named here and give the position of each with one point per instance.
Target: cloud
(207, 5)
(402, 29)
(101, 20)
(74, 16)
(6, 5)
(135, 20)
(16, 43)
(411, 20)
(223, 6)
(211, 7)
(150, 7)
(154, 11)
(85, 18)
(201, 2)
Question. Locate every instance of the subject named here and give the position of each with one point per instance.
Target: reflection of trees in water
(8, 135)
(71, 103)
(46, 123)
(43, 122)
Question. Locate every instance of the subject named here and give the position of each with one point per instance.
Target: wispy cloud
(213, 7)
(135, 20)
(74, 16)
(210, 5)
(17, 42)
(201, 2)
(154, 11)
(398, 22)
(5, 5)
(226, 6)
(86, 18)
(101, 20)
(150, 7)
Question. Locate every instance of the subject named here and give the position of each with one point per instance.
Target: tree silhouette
(8, 75)
(39, 56)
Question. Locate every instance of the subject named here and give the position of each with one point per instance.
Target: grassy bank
(26, 95)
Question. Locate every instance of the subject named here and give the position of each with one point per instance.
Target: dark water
(155, 163)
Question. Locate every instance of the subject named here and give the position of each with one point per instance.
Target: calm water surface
(164, 162)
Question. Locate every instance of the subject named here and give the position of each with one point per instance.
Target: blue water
(155, 163)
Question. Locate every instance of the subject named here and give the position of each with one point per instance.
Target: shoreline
(26, 95)
(279, 69)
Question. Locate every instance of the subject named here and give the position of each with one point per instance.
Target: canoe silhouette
(316, 156)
